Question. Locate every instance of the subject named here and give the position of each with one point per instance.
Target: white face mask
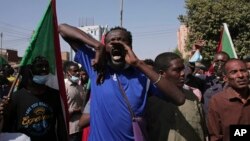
(74, 79)
(40, 79)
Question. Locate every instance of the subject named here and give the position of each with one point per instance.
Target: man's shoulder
(219, 95)
(190, 94)
(19, 92)
(51, 90)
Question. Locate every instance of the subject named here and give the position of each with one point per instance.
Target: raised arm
(168, 88)
(77, 38)
(165, 85)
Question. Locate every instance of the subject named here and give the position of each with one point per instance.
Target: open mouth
(117, 54)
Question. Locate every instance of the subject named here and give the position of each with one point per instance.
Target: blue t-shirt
(110, 117)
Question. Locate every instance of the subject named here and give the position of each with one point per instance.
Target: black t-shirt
(34, 115)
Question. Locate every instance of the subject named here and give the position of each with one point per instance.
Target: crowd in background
(182, 102)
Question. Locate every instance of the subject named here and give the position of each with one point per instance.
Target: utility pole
(121, 12)
(1, 43)
(1, 63)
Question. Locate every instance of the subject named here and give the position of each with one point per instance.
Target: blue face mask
(40, 79)
(74, 79)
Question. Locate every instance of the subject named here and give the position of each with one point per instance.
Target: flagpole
(59, 70)
(12, 88)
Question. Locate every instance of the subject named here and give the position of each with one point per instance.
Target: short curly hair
(127, 33)
(162, 61)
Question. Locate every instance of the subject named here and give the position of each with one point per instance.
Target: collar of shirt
(232, 94)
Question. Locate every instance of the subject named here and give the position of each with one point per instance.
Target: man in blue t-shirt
(108, 65)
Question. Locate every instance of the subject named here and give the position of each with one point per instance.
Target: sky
(153, 23)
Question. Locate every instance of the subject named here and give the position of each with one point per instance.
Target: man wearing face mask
(75, 97)
(35, 109)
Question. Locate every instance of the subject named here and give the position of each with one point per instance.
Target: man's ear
(225, 79)
(161, 72)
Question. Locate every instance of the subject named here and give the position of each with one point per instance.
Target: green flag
(226, 43)
(45, 42)
(42, 42)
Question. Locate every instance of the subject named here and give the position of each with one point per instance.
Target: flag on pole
(45, 42)
(226, 43)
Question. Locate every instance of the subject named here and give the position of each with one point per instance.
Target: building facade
(181, 40)
(96, 31)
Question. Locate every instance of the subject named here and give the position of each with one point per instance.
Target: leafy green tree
(177, 52)
(204, 19)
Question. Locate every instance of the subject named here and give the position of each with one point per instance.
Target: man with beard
(232, 105)
(115, 69)
(165, 120)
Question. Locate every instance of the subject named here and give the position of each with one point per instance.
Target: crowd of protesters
(179, 100)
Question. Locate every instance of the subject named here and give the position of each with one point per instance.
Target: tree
(177, 52)
(204, 19)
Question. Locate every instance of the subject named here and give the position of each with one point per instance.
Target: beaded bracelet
(158, 80)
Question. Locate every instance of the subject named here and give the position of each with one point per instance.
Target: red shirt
(225, 109)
